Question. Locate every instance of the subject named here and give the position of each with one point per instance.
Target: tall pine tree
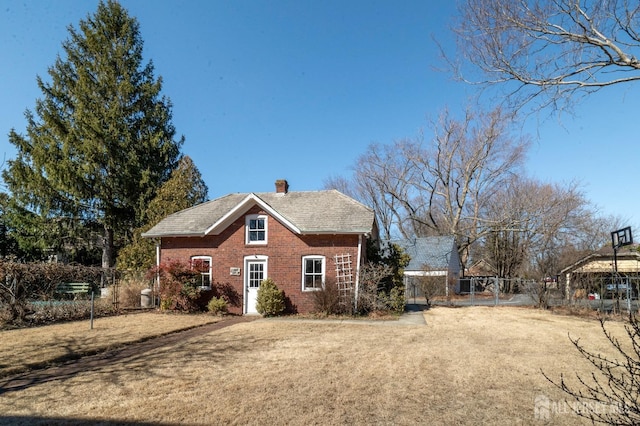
(185, 188)
(101, 141)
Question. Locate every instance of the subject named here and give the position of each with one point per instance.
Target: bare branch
(548, 51)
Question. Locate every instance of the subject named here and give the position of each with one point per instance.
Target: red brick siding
(284, 249)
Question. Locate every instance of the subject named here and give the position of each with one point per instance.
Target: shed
(430, 257)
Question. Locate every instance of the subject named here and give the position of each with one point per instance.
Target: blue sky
(264, 90)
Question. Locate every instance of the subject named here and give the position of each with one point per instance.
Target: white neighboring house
(430, 256)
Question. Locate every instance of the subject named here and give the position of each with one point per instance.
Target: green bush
(394, 301)
(217, 306)
(270, 299)
(397, 301)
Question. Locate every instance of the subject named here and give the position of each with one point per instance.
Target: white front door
(255, 272)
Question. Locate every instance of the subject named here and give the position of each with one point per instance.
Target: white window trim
(324, 270)
(248, 220)
(207, 258)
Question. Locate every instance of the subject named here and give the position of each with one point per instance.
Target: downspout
(358, 272)
(158, 244)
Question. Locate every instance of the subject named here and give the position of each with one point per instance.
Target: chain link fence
(603, 293)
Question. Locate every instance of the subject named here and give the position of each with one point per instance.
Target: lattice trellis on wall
(344, 277)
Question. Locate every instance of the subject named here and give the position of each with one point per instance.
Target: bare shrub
(55, 311)
(431, 286)
(539, 291)
(326, 300)
(610, 393)
(21, 283)
(51, 311)
(129, 291)
(372, 276)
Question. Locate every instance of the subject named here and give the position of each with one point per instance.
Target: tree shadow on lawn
(138, 356)
(417, 307)
(36, 421)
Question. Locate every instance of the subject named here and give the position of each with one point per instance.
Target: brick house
(299, 239)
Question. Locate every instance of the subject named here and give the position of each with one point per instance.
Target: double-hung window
(202, 264)
(256, 226)
(313, 270)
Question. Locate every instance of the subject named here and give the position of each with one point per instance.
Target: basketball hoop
(621, 237)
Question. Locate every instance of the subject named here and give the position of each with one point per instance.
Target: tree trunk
(107, 247)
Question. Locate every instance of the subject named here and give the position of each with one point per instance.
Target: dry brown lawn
(477, 365)
(22, 349)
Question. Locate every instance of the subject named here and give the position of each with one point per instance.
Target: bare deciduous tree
(549, 51)
(441, 186)
(531, 221)
(381, 180)
(466, 181)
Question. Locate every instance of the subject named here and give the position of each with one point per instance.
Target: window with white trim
(202, 264)
(313, 269)
(256, 226)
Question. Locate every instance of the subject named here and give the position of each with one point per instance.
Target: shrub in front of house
(397, 300)
(217, 306)
(327, 300)
(270, 301)
(394, 301)
(179, 286)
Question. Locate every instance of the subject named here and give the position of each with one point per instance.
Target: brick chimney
(282, 186)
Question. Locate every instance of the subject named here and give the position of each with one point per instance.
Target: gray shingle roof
(305, 212)
(433, 252)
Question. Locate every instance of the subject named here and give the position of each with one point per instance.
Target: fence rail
(605, 294)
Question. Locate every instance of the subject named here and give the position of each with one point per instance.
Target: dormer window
(256, 226)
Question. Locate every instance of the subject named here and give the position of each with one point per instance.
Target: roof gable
(311, 212)
(240, 209)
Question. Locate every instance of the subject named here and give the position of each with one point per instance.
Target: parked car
(610, 290)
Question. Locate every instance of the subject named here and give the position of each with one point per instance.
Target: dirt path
(93, 362)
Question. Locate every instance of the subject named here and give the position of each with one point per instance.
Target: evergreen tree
(101, 141)
(184, 189)
(10, 241)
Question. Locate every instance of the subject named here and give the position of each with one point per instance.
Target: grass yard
(477, 365)
(22, 349)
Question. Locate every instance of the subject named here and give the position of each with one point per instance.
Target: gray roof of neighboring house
(304, 212)
(431, 252)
